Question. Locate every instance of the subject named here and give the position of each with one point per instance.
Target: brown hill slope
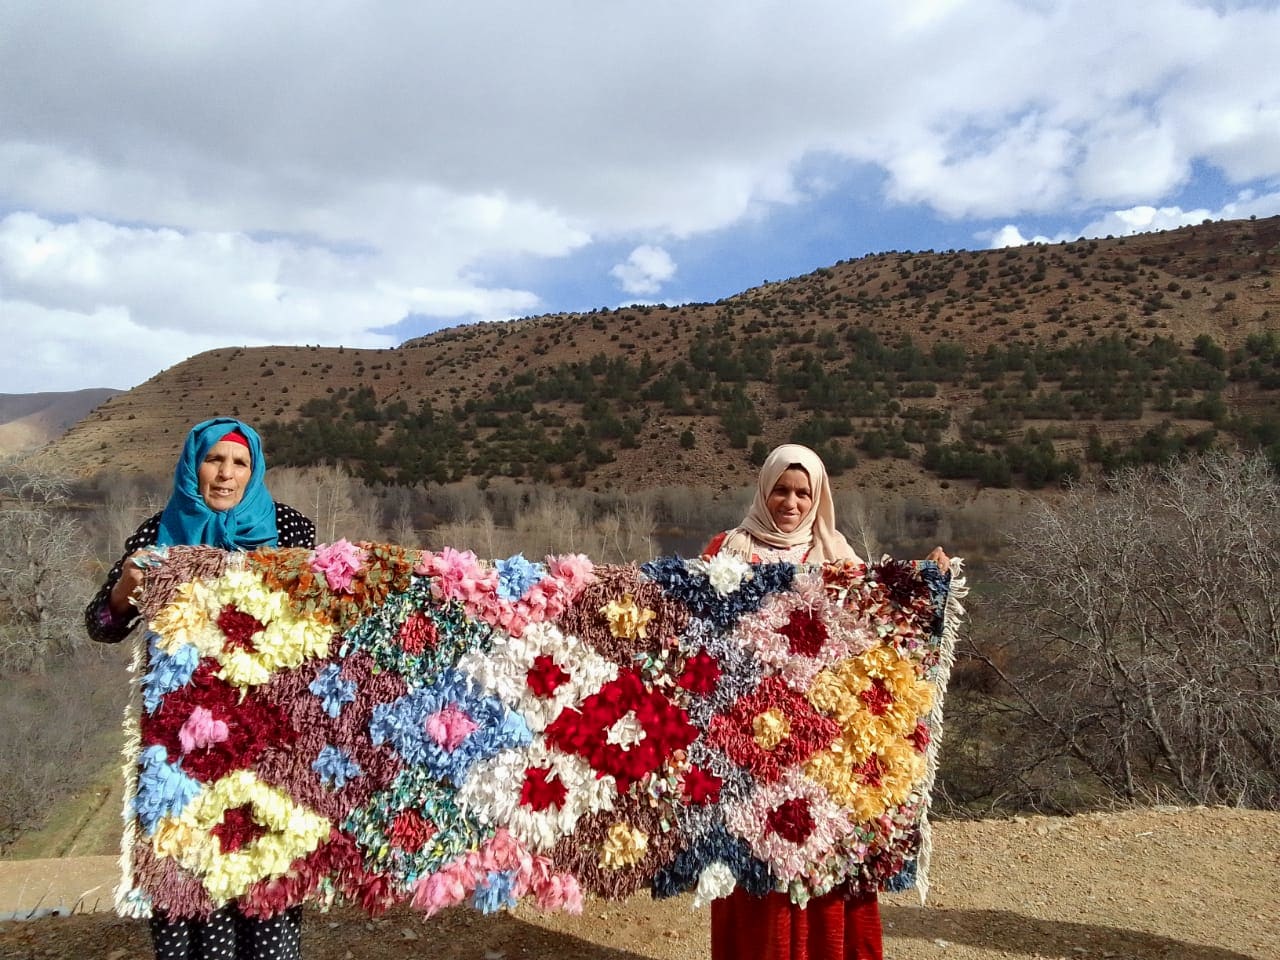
(879, 359)
(30, 420)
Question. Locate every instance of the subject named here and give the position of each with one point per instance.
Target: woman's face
(223, 475)
(790, 500)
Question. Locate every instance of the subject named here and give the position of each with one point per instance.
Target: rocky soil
(1168, 883)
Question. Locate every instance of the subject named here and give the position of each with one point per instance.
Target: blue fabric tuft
(168, 671)
(495, 892)
(403, 723)
(904, 879)
(332, 689)
(163, 789)
(516, 575)
(694, 589)
(335, 768)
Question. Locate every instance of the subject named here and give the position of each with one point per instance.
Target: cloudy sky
(181, 176)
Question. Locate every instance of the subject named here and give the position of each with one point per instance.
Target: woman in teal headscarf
(219, 499)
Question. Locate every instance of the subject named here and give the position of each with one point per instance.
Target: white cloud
(1130, 155)
(104, 348)
(1009, 236)
(134, 299)
(218, 111)
(1026, 163)
(645, 271)
(1051, 112)
(1143, 219)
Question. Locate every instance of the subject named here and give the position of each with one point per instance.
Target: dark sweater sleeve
(292, 530)
(103, 625)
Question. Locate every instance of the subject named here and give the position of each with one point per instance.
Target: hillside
(1147, 884)
(30, 420)
(922, 371)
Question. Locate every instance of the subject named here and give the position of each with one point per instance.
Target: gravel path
(1168, 883)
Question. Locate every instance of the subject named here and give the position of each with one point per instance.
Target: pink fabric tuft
(457, 575)
(573, 570)
(339, 562)
(446, 888)
(201, 731)
(559, 891)
(450, 726)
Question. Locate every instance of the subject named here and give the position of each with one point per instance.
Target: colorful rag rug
(378, 725)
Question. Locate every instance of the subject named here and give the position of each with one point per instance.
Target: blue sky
(183, 177)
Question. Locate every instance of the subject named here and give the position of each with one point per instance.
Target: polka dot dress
(229, 935)
(293, 529)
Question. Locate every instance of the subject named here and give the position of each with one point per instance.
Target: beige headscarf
(817, 527)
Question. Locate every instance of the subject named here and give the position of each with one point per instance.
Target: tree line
(847, 392)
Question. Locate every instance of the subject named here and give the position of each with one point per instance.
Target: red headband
(235, 436)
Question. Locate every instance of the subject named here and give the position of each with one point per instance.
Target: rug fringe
(127, 905)
(951, 618)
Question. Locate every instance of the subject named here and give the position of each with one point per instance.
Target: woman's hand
(130, 582)
(939, 556)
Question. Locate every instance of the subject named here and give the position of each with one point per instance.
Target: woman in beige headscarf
(793, 515)
(793, 519)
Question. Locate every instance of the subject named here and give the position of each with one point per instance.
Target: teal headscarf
(187, 519)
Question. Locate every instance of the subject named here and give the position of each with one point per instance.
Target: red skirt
(744, 927)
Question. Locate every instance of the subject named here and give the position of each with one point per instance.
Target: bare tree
(398, 514)
(627, 532)
(61, 731)
(340, 505)
(554, 522)
(698, 509)
(553, 525)
(44, 559)
(1139, 640)
(126, 502)
(469, 531)
(857, 517)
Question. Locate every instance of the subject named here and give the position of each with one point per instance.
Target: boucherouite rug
(375, 725)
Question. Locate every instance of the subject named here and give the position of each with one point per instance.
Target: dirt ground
(1169, 883)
